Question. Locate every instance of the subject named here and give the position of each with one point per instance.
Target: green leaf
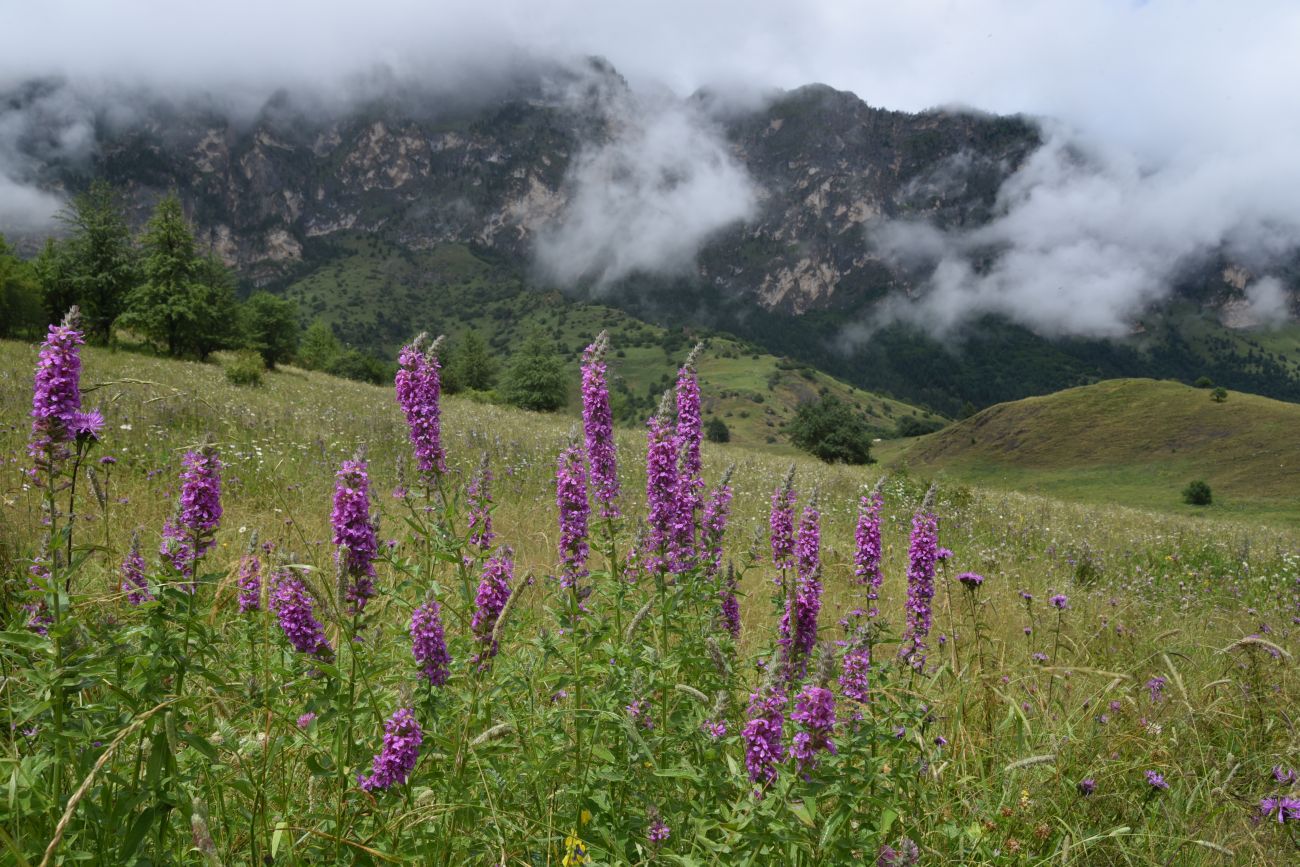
(139, 828)
(277, 836)
(802, 812)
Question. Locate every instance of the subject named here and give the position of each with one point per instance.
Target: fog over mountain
(1167, 141)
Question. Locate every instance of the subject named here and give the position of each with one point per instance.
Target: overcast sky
(1186, 107)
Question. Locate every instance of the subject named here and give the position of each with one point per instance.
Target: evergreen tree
(100, 263)
(53, 272)
(319, 348)
(20, 295)
(472, 364)
(164, 308)
(216, 310)
(271, 327)
(536, 378)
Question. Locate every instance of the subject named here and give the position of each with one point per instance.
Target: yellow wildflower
(575, 851)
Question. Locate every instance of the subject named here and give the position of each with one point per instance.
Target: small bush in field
(245, 368)
(1197, 493)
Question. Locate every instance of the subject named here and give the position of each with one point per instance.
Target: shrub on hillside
(829, 429)
(245, 368)
(1197, 493)
(716, 430)
(911, 426)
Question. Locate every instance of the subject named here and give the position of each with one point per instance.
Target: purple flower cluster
(855, 674)
(762, 734)
(866, 547)
(690, 430)
(905, 854)
(970, 580)
(429, 644)
(1060, 601)
(192, 532)
(799, 622)
(134, 583)
(571, 498)
(1156, 781)
(400, 752)
(294, 606)
(38, 610)
(729, 606)
(716, 512)
(493, 593)
(1156, 688)
(814, 710)
(657, 833)
(354, 533)
(598, 427)
(1087, 786)
(781, 524)
(661, 491)
(922, 556)
(57, 419)
(478, 493)
(419, 390)
(250, 578)
(1281, 808)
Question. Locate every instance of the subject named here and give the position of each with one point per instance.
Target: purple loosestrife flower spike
(661, 490)
(716, 513)
(39, 580)
(419, 391)
(250, 578)
(399, 754)
(657, 833)
(922, 557)
(134, 583)
(294, 606)
(690, 428)
(598, 427)
(729, 607)
(479, 495)
(781, 523)
(855, 673)
(354, 533)
(866, 545)
(493, 593)
(429, 644)
(762, 734)
(799, 623)
(814, 710)
(571, 498)
(57, 419)
(192, 532)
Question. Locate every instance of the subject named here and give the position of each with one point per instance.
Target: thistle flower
(1156, 781)
(57, 419)
(1156, 688)
(294, 606)
(716, 513)
(922, 555)
(814, 710)
(571, 498)
(689, 432)
(799, 623)
(1282, 808)
(781, 523)
(479, 495)
(970, 580)
(399, 754)
(354, 533)
(866, 546)
(1060, 601)
(134, 583)
(598, 427)
(192, 532)
(762, 734)
(429, 644)
(661, 489)
(1087, 786)
(493, 593)
(419, 390)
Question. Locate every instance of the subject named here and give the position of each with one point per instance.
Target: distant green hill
(1131, 441)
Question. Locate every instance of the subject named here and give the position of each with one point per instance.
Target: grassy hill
(1131, 441)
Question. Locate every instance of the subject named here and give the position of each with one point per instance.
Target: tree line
(157, 287)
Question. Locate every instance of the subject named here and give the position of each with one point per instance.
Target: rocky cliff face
(499, 174)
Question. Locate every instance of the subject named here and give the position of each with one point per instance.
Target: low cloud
(648, 198)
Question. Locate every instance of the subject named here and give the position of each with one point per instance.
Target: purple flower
(1156, 687)
(250, 578)
(419, 390)
(1086, 787)
(306, 719)
(134, 583)
(661, 490)
(1060, 601)
(1156, 781)
(922, 556)
(1285, 776)
(56, 395)
(866, 547)
(39, 619)
(781, 523)
(192, 532)
(479, 496)
(814, 710)
(658, 832)
(943, 555)
(855, 674)
(571, 498)
(294, 606)
(714, 728)
(716, 513)
(598, 427)
(729, 606)
(493, 593)
(428, 643)
(1285, 809)
(400, 752)
(639, 711)
(799, 623)
(971, 580)
(906, 854)
(762, 734)
(689, 434)
(354, 533)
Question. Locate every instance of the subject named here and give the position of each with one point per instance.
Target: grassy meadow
(174, 733)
